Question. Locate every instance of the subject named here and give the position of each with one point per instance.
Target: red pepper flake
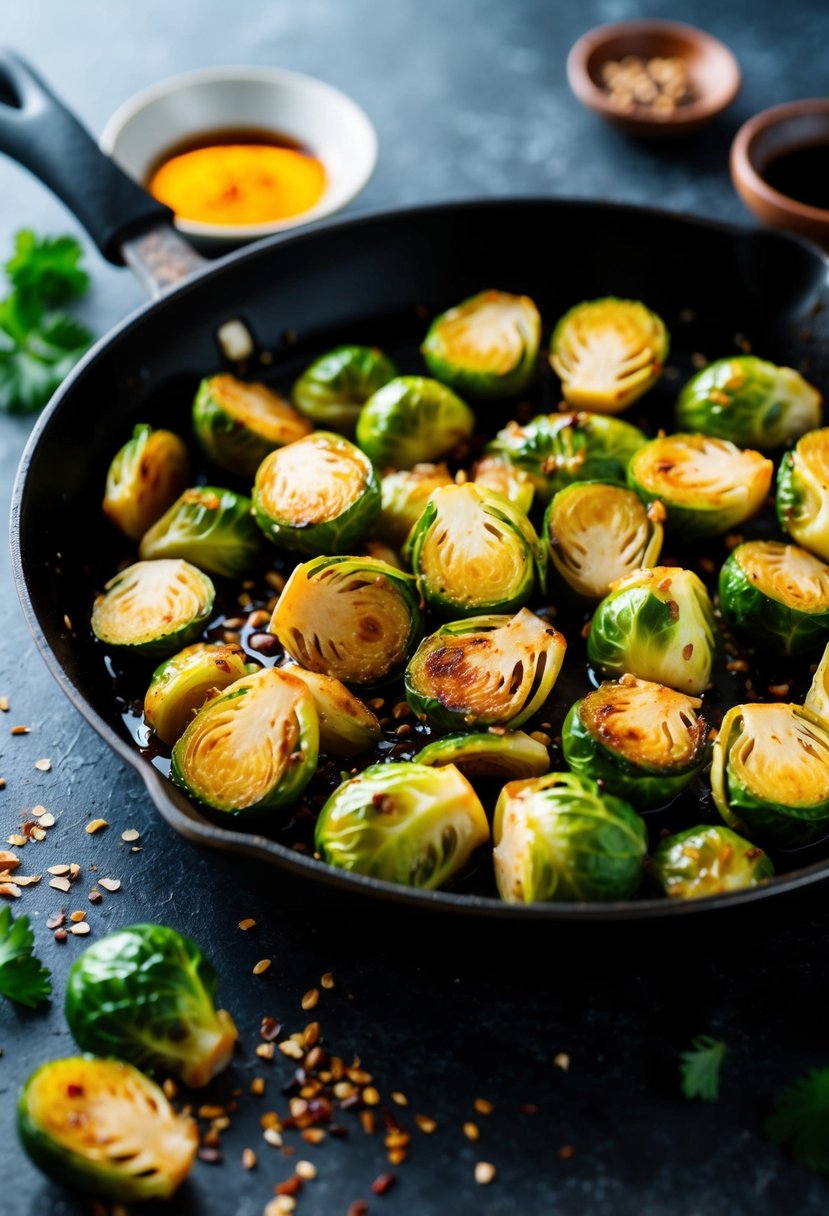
(270, 1029)
(673, 609)
(687, 651)
(358, 1208)
(291, 1186)
(566, 1152)
(529, 1108)
(383, 1183)
(74, 1091)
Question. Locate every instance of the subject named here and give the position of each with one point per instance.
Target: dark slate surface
(468, 98)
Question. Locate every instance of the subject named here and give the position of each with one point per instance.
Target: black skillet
(368, 278)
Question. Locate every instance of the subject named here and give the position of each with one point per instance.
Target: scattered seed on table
(17, 840)
(129, 835)
(8, 861)
(110, 884)
(291, 1049)
(566, 1152)
(271, 1136)
(58, 871)
(247, 923)
(80, 929)
(43, 766)
(257, 1086)
(47, 820)
(383, 1183)
(306, 1170)
(210, 1156)
(248, 1159)
(26, 880)
(10, 890)
(398, 1098)
(75, 917)
(270, 1029)
(484, 1172)
(311, 998)
(262, 966)
(60, 935)
(483, 1106)
(55, 922)
(327, 980)
(4, 705)
(371, 1097)
(21, 730)
(265, 1051)
(426, 1125)
(60, 884)
(358, 1208)
(95, 825)
(562, 1061)
(38, 810)
(471, 1131)
(2, 783)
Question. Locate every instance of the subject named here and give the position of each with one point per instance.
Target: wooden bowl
(797, 124)
(713, 71)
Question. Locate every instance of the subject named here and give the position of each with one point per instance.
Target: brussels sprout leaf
(801, 1120)
(23, 978)
(47, 265)
(699, 1068)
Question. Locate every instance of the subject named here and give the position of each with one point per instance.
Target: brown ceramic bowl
(798, 124)
(714, 74)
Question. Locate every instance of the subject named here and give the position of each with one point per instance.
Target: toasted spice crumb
(398, 1098)
(60, 884)
(248, 1159)
(358, 1208)
(77, 916)
(484, 1172)
(211, 1156)
(562, 1061)
(306, 1170)
(257, 1086)
(327, 980)
(483, 1106)
(368, 1121)
(270, 1029)
(169, 1088)
(262, 966)
(312, 996)
(10, 890)
(383, 1183)
(110, 884)
(21, 730)
(265, 1051)
(426, 1125)
(566, 1152)
(291, 1049)
(130, 835)
(247, 923)
(471, 1131)
(313, 1135)
(4, 705)
(96, 825)
(43, 766)
(271, 1136)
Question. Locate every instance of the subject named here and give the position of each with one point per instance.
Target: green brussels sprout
(817, 698)
(775, 596)
(486, 346)
(607, 353)
(708, 860)
(641, 740)
(146, 994)
(411, 420)
(485, 671)
(153, 608)
(102, 1128)
(336, 386)
(237, 423)
(770, 774)
(146, 475)
(253, 747)
(560, 837)
(347, 726)
(509, 754)
(318, 495)
(707, 486)
(354, 618)
(597, 532)
(404, 494)
(658, 625)
(209, 526)
(749, 401)
(403, 822)
(181, 685)
(496, 473)
(803, 492)
(474, 552)
(558, 449)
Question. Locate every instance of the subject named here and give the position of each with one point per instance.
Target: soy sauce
(802, 174)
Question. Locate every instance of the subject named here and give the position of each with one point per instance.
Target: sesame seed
(80, 929)
(96, 825)
(306, 1170)
(562, 1061)
(43, 766)
(247, 923)
(327, 980)
(271, 1136)
(10, 890)
(77, 916)
(110, 884)
(484, 1172)
(257, 1086)
(248, 1159)
(426, 1125)
(471, 1131)
(311, 998)
(262, 966)
(130, 835)
(291, 1049)
(370, 1096)
(398, 1098)
(60, 884)
(483, 1107)
(566, 1152)
(170, 1088)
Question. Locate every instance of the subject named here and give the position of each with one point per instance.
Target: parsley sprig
(23, 978)
(801, 1120)
(699, 1068)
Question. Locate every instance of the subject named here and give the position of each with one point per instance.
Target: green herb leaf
(48, 266)
(801, 1120)
(699, 1068)
(23, 978)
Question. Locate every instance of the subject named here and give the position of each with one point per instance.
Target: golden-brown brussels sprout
(154, 608)
(209, 526)
(181, 685)
(607, 353)
(486, 346)
(803, 492)
(404, 495)
(347, 726)
(497, 473)
(509, 754)
(237, 423)
(708, 860)
(145, 477)
(336, 386)
(775, 596)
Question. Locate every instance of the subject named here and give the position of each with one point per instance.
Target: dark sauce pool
(802, 174)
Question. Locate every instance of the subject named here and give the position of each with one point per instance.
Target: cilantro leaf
(801, 1119)
(48, 266)
(23, 978)
(699, 1068)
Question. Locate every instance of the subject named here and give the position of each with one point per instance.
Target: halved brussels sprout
(486, 671)
(607, 353)
(474, 551)
(209, 526)
(750, 401)
(354, 618)
(347, 726)
(403, 822)
(775, 596)
(486, 346)
(410, 420)
(641, 740)
(237, 423)
(817, 698)
(708, 860)
(102, 1128)
(559, 837)
(181, 685)
(404, 494)
(318, 495)
(495, 473)
(558, 449)
(597, 532)
(707, 486)
(803, 492)
(336, 386)
(253, 747)
(510, 754)
(658, 625)
(145, 476)
(770, 774)
(146, 994)
(154, 608)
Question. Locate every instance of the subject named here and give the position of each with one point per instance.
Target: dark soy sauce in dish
(802, 174)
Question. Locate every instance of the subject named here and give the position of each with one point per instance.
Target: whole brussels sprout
(775, 596)
(708, 860)
(153, 608)
(817, 698)
(237, 423)
(403, 822)
(658, 625)
(707, 486)
(100, 1127)
(403, 495)
(253, 747)
(486, 346)
(411, 420)
(485, 671)
(750, 401)
(355, 618)
(146, 994)
(509, 754)
(770, 774)
(803, 492)
(181, 685)
(558, 449)
(336, 386)
(145, 476)
(641, 740)
(318, 495)
(496, 473)
(474, 552)
(598, 532)
(209, 526)
(347, 726)
(607, 353)
(559, 837)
